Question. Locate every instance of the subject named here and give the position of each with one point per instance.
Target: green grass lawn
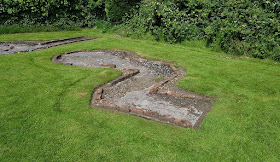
(45, 113)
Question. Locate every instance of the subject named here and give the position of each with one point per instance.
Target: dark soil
(29, 46)
(146, 88)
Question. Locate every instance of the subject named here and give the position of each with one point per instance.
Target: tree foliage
(116, 9)
(241, 27)
(236, 26)
(83, 12)
(61, 12)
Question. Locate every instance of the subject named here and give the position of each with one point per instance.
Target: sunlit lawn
(45, 113)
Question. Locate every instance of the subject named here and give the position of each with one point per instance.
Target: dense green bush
(63, 12)
(116, 9)
(57, 12)
(241, 27)
(246, 27)
(173, 21)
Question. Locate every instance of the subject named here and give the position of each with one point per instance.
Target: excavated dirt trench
(13, 47)
(146, 88)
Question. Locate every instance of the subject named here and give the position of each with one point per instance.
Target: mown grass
(45, 113)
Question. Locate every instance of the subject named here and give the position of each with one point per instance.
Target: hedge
(116, 9)
(240, 27)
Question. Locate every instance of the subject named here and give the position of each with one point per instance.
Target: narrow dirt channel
(146, 88)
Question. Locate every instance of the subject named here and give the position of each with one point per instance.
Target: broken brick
(109, 65)
(137, 111)
(178, 122)
(151, 114)
(163, 92)
(99, 90)
(127, 110)
(153, 90)
(186, 124)
(167, 118)
(188, 96)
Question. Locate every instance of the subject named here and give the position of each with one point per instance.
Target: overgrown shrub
(241, 27)
(116, 9)
(245, 27)
(172, 21)
(58, 12)
(81, 13)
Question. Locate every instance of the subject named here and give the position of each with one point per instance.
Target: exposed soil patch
(29, 46)
(139, 91)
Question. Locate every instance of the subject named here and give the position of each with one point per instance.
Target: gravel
(133, 92)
